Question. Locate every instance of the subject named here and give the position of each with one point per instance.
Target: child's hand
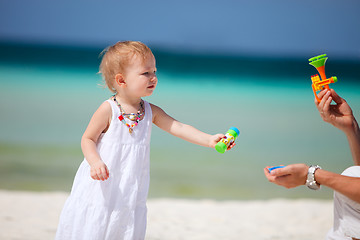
(99, 171)
(214, 139)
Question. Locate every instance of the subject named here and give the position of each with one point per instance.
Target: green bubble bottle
(229, 138)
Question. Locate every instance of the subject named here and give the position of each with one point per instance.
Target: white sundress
(115, 208)
(346, 213)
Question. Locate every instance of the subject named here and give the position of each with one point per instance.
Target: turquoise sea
(48, 95)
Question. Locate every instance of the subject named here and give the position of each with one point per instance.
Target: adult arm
(348, 186)
(340, 116)
(296, 174)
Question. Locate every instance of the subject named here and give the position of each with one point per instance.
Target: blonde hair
(117, 57)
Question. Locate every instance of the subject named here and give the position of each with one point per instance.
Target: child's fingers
(102, 174)
(231, 145)
(105, 173)
(93, 174)
(99, 174)
(99, 171)
(220, 136)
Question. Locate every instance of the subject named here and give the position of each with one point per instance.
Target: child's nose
(153, 78)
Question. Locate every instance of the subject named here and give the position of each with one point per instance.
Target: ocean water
(48, 95)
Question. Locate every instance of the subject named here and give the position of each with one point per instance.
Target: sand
(34, 216)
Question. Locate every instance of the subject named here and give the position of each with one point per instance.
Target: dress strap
(148, 110)
(114, 108)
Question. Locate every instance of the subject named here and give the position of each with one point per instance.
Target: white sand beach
(34, 216)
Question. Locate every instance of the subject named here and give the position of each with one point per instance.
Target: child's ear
(119, 79)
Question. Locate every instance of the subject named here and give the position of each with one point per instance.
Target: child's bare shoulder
(154, 107)
(104, 108)
(156, 110)
(104, 112)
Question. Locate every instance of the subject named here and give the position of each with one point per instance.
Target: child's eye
(149, 73)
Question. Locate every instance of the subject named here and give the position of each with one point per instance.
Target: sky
(273, 28)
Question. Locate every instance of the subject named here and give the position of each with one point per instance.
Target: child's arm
(183, 131)
(98, 124)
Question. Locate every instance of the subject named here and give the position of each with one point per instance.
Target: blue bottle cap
(236, 130)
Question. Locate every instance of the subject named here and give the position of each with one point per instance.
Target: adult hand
(290, 176)
(340, 115)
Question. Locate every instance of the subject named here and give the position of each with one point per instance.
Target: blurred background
(220, 64)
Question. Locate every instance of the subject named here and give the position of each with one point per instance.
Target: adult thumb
(336, 97)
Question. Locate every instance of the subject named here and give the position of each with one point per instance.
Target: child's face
(140, 76)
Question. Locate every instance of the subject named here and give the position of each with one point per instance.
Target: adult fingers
(317, 103)
(281, 171)
(320, 96)
(336, 97)
(322, 93)
(323, 102)
(326, 108)
(270, 177)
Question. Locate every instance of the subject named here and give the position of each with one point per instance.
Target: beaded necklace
(135, 117)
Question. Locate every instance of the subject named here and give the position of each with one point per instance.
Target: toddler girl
(108, 197)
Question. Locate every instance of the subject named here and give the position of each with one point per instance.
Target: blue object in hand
(270, 169)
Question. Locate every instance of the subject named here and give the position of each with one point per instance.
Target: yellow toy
(319, 84)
